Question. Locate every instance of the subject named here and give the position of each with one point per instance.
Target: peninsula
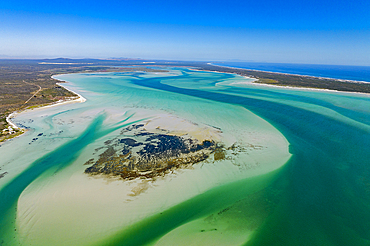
(299, 81)
(25, 84)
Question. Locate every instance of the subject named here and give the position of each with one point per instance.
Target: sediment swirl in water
(319, 197)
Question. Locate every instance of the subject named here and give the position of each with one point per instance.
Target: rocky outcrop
(139, 153)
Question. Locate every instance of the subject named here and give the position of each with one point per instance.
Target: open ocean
(296, 169)
(358, 73)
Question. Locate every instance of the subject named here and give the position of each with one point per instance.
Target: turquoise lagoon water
(317, 194)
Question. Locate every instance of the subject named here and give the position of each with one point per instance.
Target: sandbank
(67, 206)
(106, 205)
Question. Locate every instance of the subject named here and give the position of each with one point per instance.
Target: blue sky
(323, 32)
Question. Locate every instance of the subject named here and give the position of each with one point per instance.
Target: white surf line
(293, 74)
(58, 103)
(79, 99)
(291, 87)
(14, 126)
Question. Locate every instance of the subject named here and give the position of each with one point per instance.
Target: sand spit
(297, 88)
(65, 101)
(251, 82)
(79, 99)
(310, 76)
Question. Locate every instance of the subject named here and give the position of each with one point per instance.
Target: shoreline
(68, 100)
(299, 88)
(292, 87)
(82, 99)
(293, 74)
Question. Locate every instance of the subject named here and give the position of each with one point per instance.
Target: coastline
(291, 87)
(198, 205)
(81, 99)
(68, 100)
(293, 74)
(301, 88)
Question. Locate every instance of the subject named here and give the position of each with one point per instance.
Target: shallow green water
(320, 197)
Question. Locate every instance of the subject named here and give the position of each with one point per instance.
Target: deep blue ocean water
(358, 73)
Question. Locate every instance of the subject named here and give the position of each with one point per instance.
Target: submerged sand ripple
(66, 206)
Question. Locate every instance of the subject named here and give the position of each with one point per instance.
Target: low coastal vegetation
(281, 79)
(26, 84)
